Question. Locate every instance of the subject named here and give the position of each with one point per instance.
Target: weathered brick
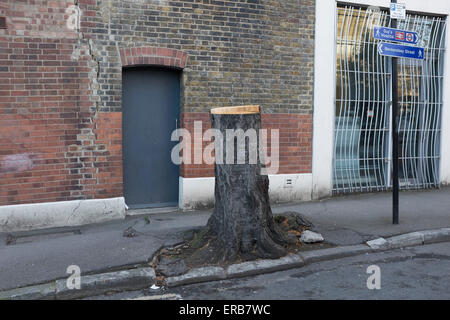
(61, 91)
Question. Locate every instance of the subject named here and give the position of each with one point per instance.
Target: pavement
(354, 219)
(42, 256)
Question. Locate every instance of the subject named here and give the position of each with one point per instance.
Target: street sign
(401, 51)
(398, 11)
(396, 35)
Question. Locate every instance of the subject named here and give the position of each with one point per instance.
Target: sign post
(396, 184)
(395, 142)
(396, 51)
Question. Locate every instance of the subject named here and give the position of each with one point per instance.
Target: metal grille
(362, 152)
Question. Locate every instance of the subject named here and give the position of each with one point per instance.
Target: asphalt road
(414, 273)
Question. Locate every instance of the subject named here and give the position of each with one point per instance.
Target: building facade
(90, 91)
(352, 146)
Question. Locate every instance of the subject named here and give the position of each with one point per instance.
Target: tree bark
(242, 222)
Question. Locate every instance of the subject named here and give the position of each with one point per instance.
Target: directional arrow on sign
(380, 48)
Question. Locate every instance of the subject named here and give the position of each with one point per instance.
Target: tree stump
(242, 222)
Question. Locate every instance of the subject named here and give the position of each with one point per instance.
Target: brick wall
(295, 139)
(258, 50)
(60, 89)
(55, 144)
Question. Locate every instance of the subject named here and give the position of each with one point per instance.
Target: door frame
(162, 204)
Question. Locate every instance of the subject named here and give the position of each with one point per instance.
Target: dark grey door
(151, 110)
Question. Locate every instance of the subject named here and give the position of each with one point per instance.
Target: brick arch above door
(153, 56)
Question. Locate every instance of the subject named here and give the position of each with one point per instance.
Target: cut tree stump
(242, 223)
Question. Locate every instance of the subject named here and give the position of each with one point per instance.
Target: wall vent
(288, 183)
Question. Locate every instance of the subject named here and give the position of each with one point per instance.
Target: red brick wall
(154, 56)
(196, 170)
(295, 133)
(107, 158)
(295, 141)
(54, 143)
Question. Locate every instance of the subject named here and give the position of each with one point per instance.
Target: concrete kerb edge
(416, 238)
(334, 253)
(258, 267)
(125, 280)
(251, 268)
(108, 281)
(197, 275)
(96, 284)
(45, 291)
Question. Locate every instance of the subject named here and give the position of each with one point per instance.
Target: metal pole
(395, 142)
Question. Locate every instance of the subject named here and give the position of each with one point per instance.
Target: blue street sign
(401, 51)
(395, 35)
